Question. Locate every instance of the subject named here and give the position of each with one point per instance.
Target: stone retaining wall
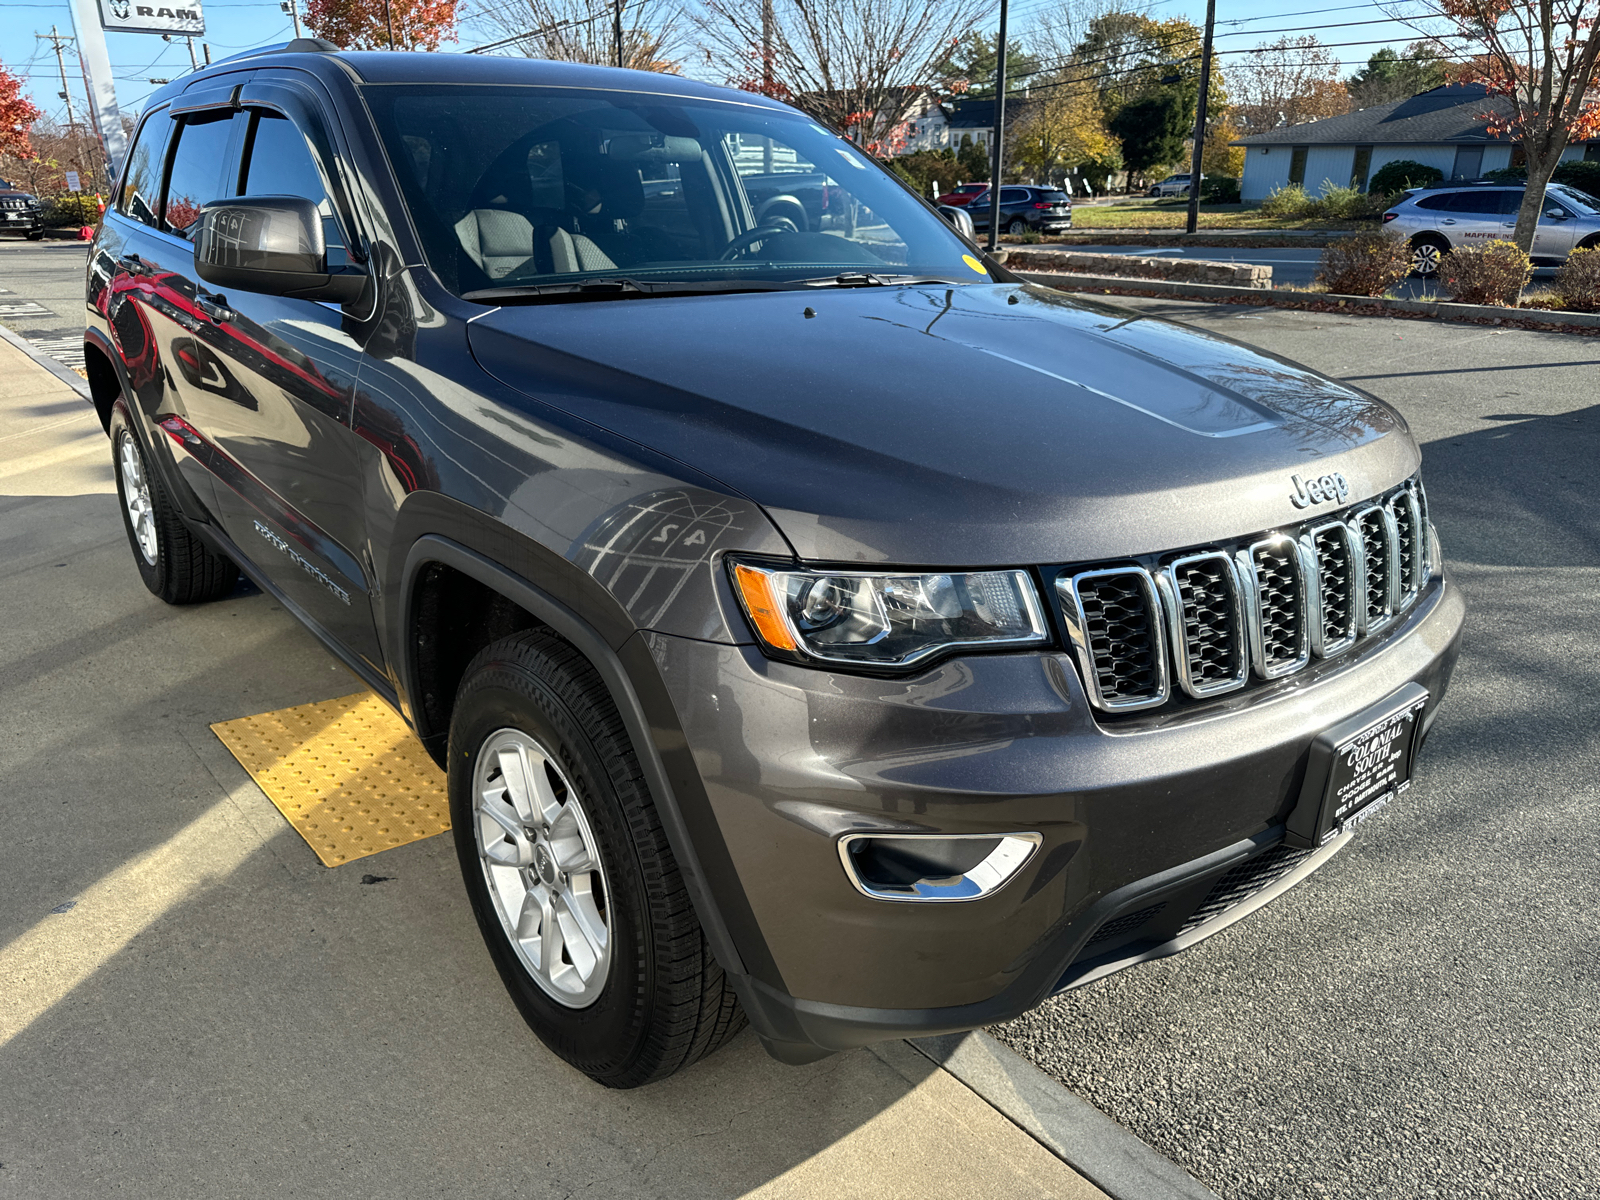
(1186, 270)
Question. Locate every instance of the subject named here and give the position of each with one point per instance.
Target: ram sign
(152, 16)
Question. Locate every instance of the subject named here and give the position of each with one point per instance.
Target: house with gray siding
(1447, 128)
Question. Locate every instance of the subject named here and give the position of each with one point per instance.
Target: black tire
(1017, 227)
(35, 235)
(1427, 249)
(175, 565)
(664, 1002)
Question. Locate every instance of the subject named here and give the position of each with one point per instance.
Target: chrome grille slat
(1114, 621)
(1266, 608)
(1205, 617)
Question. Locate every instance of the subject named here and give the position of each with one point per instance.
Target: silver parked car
(1438, 220)
(1172, 185)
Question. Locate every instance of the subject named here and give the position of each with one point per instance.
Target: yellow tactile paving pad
(347, 773)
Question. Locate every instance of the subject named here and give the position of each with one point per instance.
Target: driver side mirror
(1555, 214)
(272, 245)
(960, 218)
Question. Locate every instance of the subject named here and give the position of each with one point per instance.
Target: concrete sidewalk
(190, 1004)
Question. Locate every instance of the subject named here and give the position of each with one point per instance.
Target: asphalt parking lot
(229, 1017)
(1419, 1017)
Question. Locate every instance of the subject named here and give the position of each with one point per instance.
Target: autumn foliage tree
(1540, 57)
(383, 24)
(1287, 82)
(17, 115)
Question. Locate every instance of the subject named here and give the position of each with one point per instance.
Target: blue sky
(234, 25)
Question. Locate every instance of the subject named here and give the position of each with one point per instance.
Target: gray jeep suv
(819, 627)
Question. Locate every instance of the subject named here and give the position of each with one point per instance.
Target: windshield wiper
(620, 288)
(855, 279)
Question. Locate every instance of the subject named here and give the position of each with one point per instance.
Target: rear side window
(1013, 195)
(205, 167)
(1484, 204)
(1510, 203)
(1436, 203)
(141, 186)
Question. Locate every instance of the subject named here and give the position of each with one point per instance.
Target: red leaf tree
(17, 115)
(383, 24)
(1540, 55)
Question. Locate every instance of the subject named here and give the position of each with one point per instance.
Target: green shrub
(1578, 280)
(1337, 203)
(72, 208)
(1291, 201)
(1402, 174)
(1368, 264)
(1507, 175)
(1220, 189)
(1492, 273)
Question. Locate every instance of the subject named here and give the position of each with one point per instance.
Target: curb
(1367, 305)
(65, 374)
(1083, 1137)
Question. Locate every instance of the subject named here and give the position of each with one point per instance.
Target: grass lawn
(1175, 215)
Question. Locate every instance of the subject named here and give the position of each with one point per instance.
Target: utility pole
(1200, 118)
(766, 77)
(194, 63)
(616, 33)
(55, 39)
(291, 9)
(999, 148)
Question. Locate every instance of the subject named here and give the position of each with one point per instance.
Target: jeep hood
(955, 426)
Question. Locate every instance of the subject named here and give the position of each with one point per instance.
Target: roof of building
(1455, 112)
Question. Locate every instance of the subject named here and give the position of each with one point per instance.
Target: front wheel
(1427, 252)
(575, 889)
(175, 565)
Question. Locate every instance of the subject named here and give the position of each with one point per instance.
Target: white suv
(1439, 219)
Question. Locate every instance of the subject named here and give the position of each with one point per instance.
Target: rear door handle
(1447, 221)
(214, 306)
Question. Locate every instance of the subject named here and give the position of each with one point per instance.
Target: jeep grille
(1265, 607)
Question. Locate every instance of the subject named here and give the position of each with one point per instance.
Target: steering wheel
(750, 238)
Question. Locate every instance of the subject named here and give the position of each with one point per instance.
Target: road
(1295, 265)
(41, 295)
(1417, 1019)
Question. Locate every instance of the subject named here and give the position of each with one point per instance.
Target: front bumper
(1158, 813)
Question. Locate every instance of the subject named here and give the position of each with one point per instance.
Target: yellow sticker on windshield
(974, 264)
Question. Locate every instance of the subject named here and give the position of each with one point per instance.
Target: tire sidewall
(153, 574)
(604, 1038)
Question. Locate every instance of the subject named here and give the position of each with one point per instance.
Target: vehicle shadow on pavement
(191, 1004)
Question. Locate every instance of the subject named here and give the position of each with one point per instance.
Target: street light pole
(1200, 117)
(999, 148)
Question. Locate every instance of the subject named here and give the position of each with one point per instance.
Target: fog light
(934, 867)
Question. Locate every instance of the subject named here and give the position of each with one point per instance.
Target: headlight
(887, 620)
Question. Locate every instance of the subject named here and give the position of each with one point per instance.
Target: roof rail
(296, 46)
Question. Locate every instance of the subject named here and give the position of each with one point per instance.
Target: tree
(17, 115)
(1287, 82)
(1152, 129)
(1062, 128)
(1217, 157)
(852, 64)
(383, 24)
(970, 68)
(582, 32)
(1391, 76)
(1539, 58)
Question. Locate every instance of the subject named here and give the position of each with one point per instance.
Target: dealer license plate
(1359, 766)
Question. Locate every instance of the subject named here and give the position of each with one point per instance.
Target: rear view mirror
(960, 218)
(272, 245)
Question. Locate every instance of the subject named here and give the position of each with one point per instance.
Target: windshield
(548, 188)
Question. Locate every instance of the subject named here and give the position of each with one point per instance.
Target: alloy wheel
(1425, 258)
(542, 867)
(136, 497)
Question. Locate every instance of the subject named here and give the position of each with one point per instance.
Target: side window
(1474, 204)
(1510, 203)
(205, 167)
(1013, 195)
(1434, 202)
(279, 163)
(141, 186)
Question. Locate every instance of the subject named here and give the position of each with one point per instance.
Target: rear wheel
(174, 564)
(1017, 227)
(574, 887)
(1427, 251)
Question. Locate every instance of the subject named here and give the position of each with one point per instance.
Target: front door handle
(214, 306)
(131, 264)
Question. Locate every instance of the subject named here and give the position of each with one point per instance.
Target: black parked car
(1025, 209)
(20, 212)
(774, 677)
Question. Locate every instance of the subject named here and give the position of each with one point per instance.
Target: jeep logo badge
(1322, 490)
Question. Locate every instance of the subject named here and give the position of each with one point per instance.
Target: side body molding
(432, 548)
